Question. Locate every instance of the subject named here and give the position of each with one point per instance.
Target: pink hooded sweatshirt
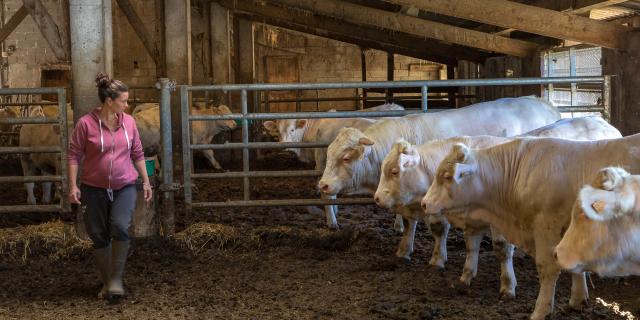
(106, 155)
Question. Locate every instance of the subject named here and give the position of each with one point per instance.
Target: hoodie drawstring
(126, 135)
(101, 137)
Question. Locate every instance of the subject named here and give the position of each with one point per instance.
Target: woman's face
(119, 104)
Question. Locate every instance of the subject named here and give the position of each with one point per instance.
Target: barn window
(572, 61)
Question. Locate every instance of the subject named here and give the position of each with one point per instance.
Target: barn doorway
(282, 69)
(56, 78)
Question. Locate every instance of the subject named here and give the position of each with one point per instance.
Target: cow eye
(448, 176)
(394, 171)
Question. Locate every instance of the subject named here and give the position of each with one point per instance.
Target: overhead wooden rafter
(415, 26)
(138, 27)
(13, 23)
(48, 28)
(509, 14)
(351, 33)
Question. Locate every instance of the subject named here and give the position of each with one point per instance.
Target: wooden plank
(415, 26)
(138, 27)
(374, 38)
(13, 23)
(509, 14)
(48, 28)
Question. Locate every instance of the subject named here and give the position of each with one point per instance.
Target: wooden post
(48, 28)
(13, 23)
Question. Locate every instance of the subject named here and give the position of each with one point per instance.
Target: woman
(106, 140)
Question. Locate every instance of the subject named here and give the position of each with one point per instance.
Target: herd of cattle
(559, 189)
(562, 190)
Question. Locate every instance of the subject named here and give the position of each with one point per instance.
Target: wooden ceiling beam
(415, 26)
(546, 22)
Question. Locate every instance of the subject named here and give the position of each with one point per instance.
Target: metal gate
(245, 116)
(61, 120)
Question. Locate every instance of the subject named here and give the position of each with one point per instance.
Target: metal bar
(581, 109)
(32, 120)
(284, 202)
(309, 115)
(186, 152)
(19, 104)
(22, 179)
(245, 140)
(396, 84)
(31, 208)
(22, 150)
(425, 93)
(573, 73)
(29, 91)
(259, 145)
(258, 174)
(64, 138)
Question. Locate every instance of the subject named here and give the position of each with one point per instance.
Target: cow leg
(320, 156)
(46, 192)
(28, 169)
(405, 249)
(440, 231)
(579, 290)
(548, 272)
(472, 239)
(504, 252)
(209, 155)
(398, 224)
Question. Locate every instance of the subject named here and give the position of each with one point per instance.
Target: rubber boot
(103, 262)
(119, 252)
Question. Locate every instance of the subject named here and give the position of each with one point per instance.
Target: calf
(604, 234)
(354, 157)
(527, 187)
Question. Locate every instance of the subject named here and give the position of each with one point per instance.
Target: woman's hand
(148, 192)
(74, 194)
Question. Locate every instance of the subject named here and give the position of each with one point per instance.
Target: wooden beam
(138, 27)
(374, 38)
(415, 26)
(509, 14)
(48, 28)
(575, 6)
(13, 23)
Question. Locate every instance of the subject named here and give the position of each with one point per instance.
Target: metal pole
(186, 151)
(606, 97)
(573, 73)
(245, 150)
(424, 92)
(168, 220)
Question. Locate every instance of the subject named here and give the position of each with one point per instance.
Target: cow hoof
(437, 263)
(579, 304)
(465, 279)
(507, 295)
(460, 288)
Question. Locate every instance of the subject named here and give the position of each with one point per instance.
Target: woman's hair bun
(102, 80)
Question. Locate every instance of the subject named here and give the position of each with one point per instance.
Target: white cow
(202, 132)
(42, 135)
(354, 157)
(320, 130)
(528, 187)
(407, 172)
(604, 234)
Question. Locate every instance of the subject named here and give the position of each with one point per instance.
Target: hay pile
(200, 235)
(55, 239)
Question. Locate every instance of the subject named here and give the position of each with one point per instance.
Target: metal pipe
(29, 91)
(259, 145)
(9, 179)
(20, 104)
(29, 120)
(309, 115)
(581, 109)
(245, 150)
(285, 202)
(186, 153)
(396, 84)
(31, 208)
(258, 174)
(606, 98)
(166, 86)
(425, 94)
(22, 150)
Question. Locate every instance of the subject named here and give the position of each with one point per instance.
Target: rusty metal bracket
(170, 187)
(171, 85)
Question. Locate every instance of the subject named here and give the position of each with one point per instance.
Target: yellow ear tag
(598, 206)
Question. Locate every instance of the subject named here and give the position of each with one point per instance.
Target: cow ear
(224, 109)
(598, 204)
(408, 161)
(364, 141)
(300, 123)
(610, 178)
(269, 125)
(463, 170)
(463, 154)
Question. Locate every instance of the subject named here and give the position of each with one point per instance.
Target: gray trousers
(106, 220)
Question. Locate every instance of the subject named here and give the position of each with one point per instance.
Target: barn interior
(279, 260)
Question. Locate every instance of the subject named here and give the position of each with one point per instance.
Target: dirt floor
(280, 263)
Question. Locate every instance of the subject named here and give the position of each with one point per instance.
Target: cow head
(288, 130)
(224, 124)
(345, 162)
(400, 181)
(454, 183)
(604, 233)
